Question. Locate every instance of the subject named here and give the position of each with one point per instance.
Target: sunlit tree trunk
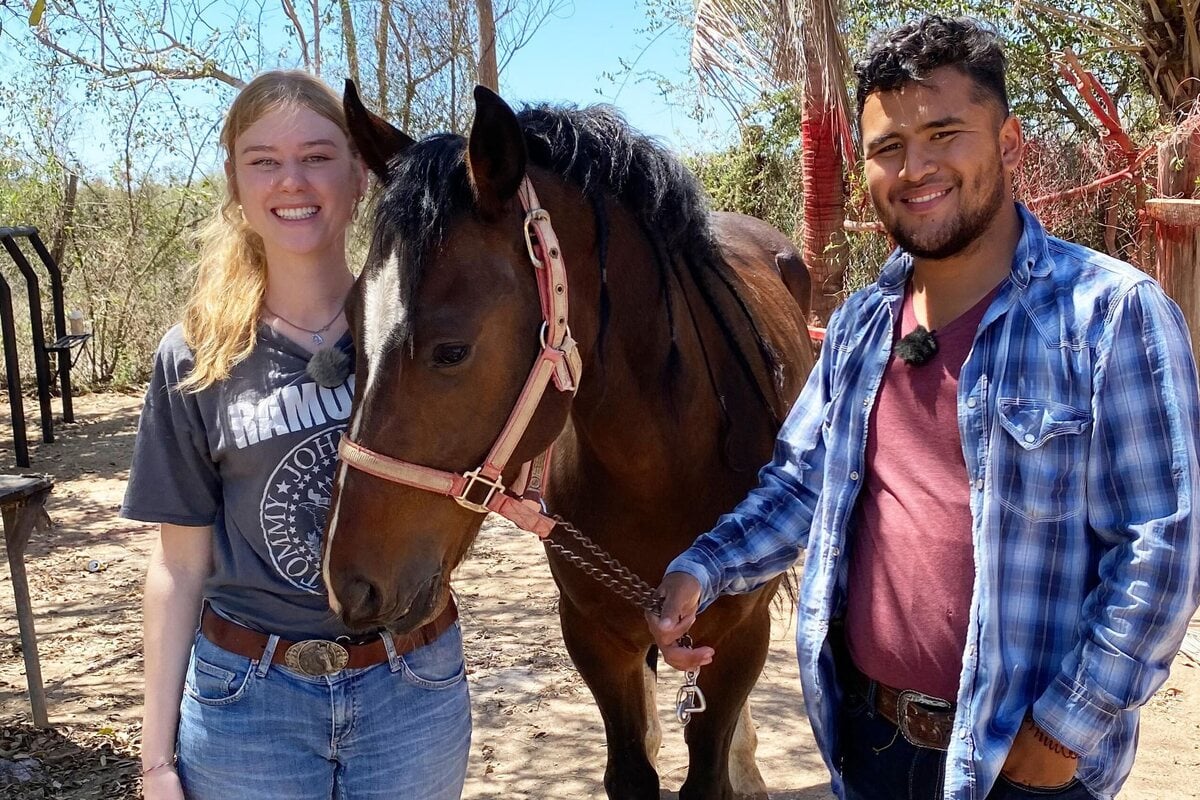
(798, 44)
(489, 74)
(824, 138)
(381, 60)
(293, 16)
(350, 41)
(316, 21)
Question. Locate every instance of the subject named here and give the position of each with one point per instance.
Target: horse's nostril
(360, 600)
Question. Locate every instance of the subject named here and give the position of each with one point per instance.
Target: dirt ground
(537, 734)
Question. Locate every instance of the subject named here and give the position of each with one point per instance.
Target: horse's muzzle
(363, 605)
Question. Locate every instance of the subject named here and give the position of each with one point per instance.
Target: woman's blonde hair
(222, 310)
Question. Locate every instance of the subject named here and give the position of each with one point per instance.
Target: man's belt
(923, 720)
(316, 657)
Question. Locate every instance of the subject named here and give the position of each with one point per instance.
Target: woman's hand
(162, 784)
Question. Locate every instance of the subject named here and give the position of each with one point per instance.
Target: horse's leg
(650, 702)
(744, 775)
(616, 674)
(726, 684)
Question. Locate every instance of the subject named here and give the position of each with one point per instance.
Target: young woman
(253, 687)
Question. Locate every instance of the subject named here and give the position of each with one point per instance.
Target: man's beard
(960, 233)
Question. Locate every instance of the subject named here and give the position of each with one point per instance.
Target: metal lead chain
(606, 569)
(616, 576)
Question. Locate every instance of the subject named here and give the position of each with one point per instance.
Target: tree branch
(290, 10)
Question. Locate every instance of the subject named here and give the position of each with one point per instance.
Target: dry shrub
(1105, 219)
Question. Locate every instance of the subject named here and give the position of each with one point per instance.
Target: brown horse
(689, 361)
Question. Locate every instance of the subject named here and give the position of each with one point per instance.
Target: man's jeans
(878, 763)
(399, 730)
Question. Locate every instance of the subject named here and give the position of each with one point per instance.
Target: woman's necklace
(317, 338)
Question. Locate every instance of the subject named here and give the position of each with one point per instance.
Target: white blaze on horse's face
(382, 315)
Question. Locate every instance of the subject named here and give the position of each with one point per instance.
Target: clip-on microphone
(917, 348)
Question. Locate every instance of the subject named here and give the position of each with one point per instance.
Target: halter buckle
(475, 479)
(534, 216)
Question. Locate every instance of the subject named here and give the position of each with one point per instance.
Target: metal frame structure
(63, 345)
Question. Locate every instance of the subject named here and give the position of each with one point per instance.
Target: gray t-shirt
(253, 456)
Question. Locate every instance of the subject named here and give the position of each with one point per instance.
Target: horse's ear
(374, 137)
(495, 153)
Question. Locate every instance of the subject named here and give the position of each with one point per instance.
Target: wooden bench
(23, 502)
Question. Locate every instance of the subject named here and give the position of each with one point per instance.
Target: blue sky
(577, 56)
(569, 55)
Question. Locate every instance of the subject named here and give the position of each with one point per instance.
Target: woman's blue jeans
(399, 730)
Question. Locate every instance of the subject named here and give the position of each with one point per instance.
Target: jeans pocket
(437, 665)
(854, 704)
(216, 677)
(1006, 789)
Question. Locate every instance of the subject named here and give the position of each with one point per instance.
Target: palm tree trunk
(822, 243)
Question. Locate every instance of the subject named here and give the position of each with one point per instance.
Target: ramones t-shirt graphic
(294, 506)
(252, 458)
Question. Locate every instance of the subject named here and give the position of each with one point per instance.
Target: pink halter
(482, 489)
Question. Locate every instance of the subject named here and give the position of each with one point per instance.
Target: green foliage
(126, 251)
(1034, 43)
(760, 175)
(866, 250)
(124, 239)
(131, 251)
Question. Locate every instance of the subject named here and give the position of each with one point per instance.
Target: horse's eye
(447, 355)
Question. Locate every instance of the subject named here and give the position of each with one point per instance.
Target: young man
(992, 468)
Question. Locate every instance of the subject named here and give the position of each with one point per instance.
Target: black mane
(593, 148)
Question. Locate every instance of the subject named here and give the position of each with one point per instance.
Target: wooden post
(23, 502)
(1177, 226)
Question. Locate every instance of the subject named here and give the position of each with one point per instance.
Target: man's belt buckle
(921, 702)
(316, 657)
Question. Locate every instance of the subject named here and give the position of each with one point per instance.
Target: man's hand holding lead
(681, 600)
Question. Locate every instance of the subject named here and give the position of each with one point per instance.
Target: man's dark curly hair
(908, 53)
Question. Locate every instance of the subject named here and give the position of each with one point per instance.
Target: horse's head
(446, 316)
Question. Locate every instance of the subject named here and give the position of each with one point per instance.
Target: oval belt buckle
(316, 657)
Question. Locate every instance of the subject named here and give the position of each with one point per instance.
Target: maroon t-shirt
(912, 567)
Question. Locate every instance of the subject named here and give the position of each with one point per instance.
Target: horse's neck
(659, 396)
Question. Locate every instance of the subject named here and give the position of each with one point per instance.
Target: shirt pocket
(1040, 458)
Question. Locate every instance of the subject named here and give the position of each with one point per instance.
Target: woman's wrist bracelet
(170, 762)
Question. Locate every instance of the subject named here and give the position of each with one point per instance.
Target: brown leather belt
(923, 720)
(316, 657)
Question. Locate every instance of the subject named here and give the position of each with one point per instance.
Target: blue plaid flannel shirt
(1078, 413)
